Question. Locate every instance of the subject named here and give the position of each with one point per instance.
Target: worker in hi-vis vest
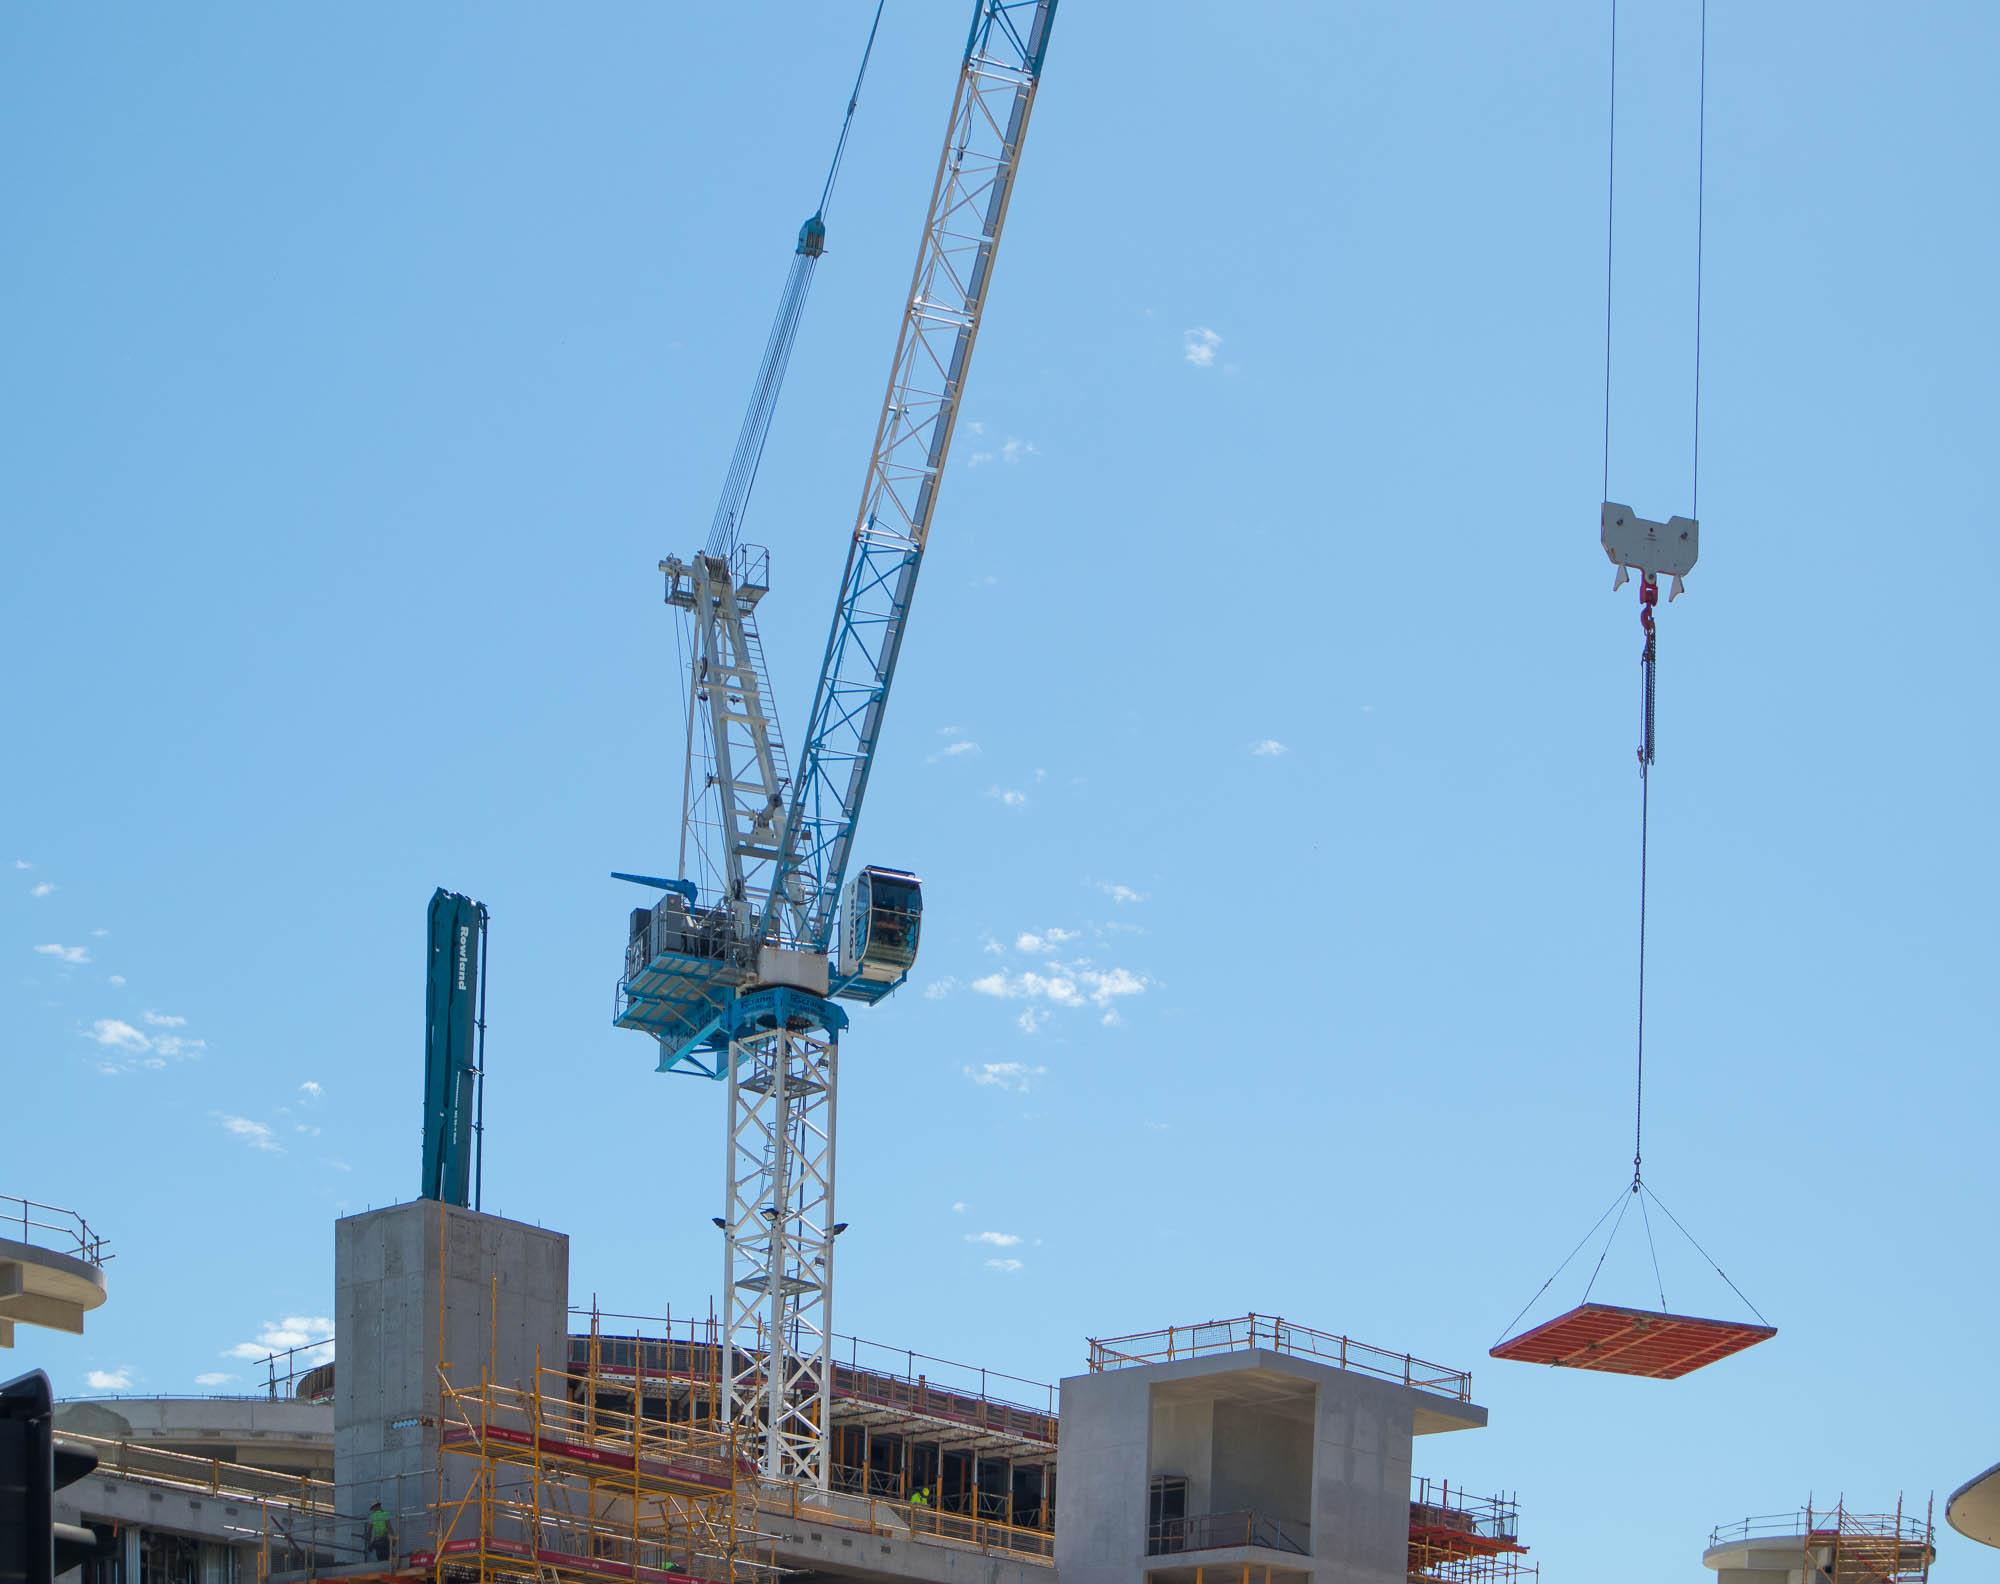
(922, 1498)
(381, 1533)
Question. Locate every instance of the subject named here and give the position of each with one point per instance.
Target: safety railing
(132, 1460)
(304, 1372)
(1437, 1507)
(1217, 1531)
(51, 1227)
(1250, 1331)
(789, 1499)
(870, 1372)
(1807, 1523)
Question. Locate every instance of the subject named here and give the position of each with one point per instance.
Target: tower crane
(739, 969)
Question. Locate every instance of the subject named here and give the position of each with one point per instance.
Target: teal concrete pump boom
(454, 1049)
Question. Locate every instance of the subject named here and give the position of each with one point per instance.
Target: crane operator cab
(881, 917)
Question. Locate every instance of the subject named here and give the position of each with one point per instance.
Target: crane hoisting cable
(724, 532)
(1600, 1336)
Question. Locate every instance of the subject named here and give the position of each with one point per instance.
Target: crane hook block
(1663, 549)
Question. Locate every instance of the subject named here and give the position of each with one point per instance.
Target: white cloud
(213, 1378)
(1013, 1076)
(164, 1020)
(255, 1134)
(46, 888)
(1068, 986)
(938, 989)
(1006, 1267)
(1058, 987)
(1108, 987)
(1031, 1019)
(100, 933)
(340, 1165)
(953, 750)
(109, 1380)
(958, 1207)
(975, 428)
(997, 1239)
(174, 1045)
(1198, 346)
(119, 1035)
(1121, 894)
(294, 1331)
(116, 979)
(1012, 449)
(1013, 797)
(1047, 940)
(311, 1090)
(75, 956)
(1268, 748)
(22, 863)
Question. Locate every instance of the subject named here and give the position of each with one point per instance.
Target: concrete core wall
(495, 1292)
(1263, 1463)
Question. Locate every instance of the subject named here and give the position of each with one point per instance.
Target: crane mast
(738, 979)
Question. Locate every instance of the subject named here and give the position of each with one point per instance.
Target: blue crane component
(778, 848)
(733, 969)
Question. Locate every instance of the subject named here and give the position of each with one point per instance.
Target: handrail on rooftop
(940, 1375)
(1245, 1332)
(71, 1233)
(1804, 1523)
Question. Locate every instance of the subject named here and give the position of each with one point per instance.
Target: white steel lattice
(975, 180)
(733, 803)
(778, 1246)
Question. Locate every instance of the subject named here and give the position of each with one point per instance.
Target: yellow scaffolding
(1871, 1548)
(564, 1490)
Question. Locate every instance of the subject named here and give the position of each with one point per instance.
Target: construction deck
(1648, 1342)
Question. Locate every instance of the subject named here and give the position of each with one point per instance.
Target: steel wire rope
(1624, 1204)
(749, 457)
(1700, 226)
(1659, 1282)
(1684, 1232)
(854, 99)
(1610, 233)
(1572, 1254)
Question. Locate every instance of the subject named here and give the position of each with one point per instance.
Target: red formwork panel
(1650, 1342)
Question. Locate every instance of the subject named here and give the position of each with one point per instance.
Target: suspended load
(1650, 1342)
(1656, 1343)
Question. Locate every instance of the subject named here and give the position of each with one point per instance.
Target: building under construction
(501, 1434)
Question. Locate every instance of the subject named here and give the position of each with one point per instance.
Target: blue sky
(363, 362)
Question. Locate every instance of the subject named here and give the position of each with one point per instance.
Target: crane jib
(996, 91)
